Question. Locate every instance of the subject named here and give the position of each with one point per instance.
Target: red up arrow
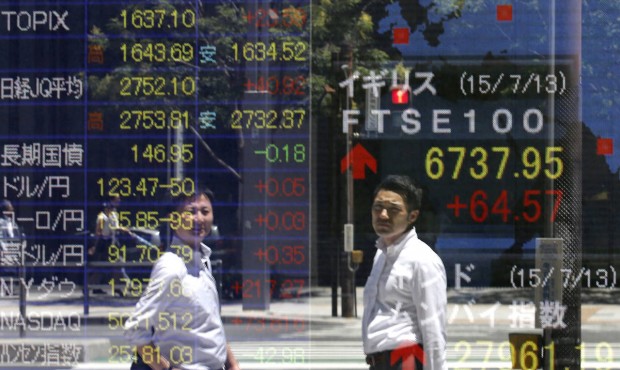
(358, 158)
(407, 353)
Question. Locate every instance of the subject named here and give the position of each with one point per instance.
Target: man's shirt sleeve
(430, 297)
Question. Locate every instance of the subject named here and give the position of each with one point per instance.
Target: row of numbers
(294, 18)
(148, 253)
(281, 221)
(154, 119)
(286, 187)
(135, 287)
(158, 119)
(277, 51)
(157, 86)
(158, 19)
(287, 153)
(286, 355)
(474, 163)
(268, 119)
(282, 255)
(127, 354)
(144, 186)
(157, 52)
(162, 321)
(255, 288)
(534, 83)
(527, 354)
(586, 277)
(479, 207)
(277, 325)
(184, 54)
(160, 153)
(275, 85)
(185, 153)
(153, 219)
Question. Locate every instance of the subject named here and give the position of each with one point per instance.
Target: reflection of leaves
(344, 32)
(418, 16)
(102, 87)
(215, 23)
(97, 37)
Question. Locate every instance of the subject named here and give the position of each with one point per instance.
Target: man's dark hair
(405, 187)
(173, 200)
(5, 205)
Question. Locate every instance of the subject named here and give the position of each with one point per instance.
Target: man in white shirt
(405, 301)
(176, 325)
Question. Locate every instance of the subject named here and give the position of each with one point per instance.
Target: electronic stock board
(120, 104)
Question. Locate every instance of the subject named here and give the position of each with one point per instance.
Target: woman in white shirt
(177, 324)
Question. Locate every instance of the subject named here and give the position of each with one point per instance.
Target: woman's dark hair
(405, 187)
(173, 200)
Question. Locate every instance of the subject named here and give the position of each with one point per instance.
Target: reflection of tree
(348, 31)
(421, 17)
(344, 31)
(219, 88)
(215, 26)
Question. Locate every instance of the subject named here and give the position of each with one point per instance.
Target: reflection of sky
(600, 66)
(477, 32)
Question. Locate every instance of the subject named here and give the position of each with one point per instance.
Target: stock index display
(120, 105)
(483, 109)
(490, 105)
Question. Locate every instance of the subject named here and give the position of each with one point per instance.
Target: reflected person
(176, 324)
(10, 239)
(106, 229)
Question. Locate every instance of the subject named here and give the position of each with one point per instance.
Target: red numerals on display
(254, 288)
(286, 18)
(276, 85)
(284, 221)
(273, 325)
(288, 187)
(479, 207)
(282, 255)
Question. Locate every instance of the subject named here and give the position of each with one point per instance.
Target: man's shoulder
(169, 264)
(170, 258)
(419, 252)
